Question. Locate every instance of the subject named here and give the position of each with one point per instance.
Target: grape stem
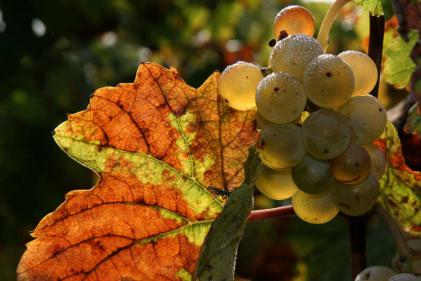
(277, 212)
(375, 46)
(327, 22)
(358, 225)
(358, 233)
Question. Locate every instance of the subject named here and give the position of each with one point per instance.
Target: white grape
(280, 146)
(355, 200)
(280, 98)
(353, 166)
(375, 273)
(414, 245)
(378, 160)
(364, 70)
(237, 85)
(328, 81)
(367, 118)
(261, 122)
(311, 176)
(316, 209)
(294, 20)
(293, 54)
(326, 134)
(277, 185)
(404, 277)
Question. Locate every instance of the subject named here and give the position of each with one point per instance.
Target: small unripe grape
(294, 20)
(353, 166)
(280, 146)
(316, 209)
(237, 85)
(364, 70)
(328, 81)
(293, 54)
(366, 116)
(375, 273)
(355, 200)
(277, 185)
(378, 160)
(326, 134)
(280, 98)
(311, 176)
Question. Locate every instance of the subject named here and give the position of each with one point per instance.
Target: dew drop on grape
(280, 98)
(328, 81)
(293, 54)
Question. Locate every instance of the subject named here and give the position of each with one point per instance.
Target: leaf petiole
(330, 16)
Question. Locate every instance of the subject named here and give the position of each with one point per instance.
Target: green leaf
(398, 65)
(401, 186)
(373, 6)
(387, 9)
(217, 260)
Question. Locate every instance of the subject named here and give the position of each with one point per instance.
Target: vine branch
(358, 225)
(358, 234)
(282, 211)
(375, 47)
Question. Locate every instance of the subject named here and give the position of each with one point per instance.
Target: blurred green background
(55, 53)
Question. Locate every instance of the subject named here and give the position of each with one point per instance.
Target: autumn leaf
(162, 150)
(401, 186)
(398, 65)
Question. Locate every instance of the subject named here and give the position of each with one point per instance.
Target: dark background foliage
(55, 53)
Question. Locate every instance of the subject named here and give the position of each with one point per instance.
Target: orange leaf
(161, 149)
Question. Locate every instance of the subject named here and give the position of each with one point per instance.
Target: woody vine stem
(357, 225)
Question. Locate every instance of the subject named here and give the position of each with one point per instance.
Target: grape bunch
(317, 121)
(382, 273)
